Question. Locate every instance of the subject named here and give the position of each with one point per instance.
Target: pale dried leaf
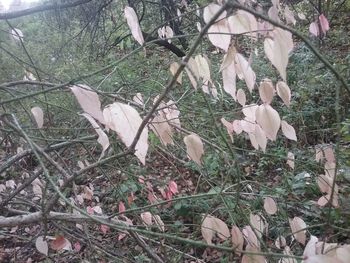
(283, 92)
(280, 242)
(288, 131)
(138, 99)
(133, 24)
(253, 140)
(17, 35)
(277, 50)
(250, 237)
(147, 218)
(243, 22)
(162, 129)
(260, 137)
(102, 136)
(194, 147)
(229, 80)
(310, 248)
(269, 120)
(237, 239)
(290, 161)
(61, 243)
(203, 68)
(257, 223)
(41, 245)
(245, 71)
(249, 112)
(89, 101)
(38, 116)
(270, 206)
(288, 14)
(211, 226)
(313, 29)
(159, 223)
(266, 91)
(241, 98)
(237, 128)
(229, 127)
(223, 38)
(296, 224)
(321, 259)
(125, 121)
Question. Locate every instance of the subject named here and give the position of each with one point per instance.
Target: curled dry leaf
(41, 245)
(260, 137)
(229, 127)
(89, 101)
(245, 71)
(138, 99)
(237, 239)
(258, 223)
(270, 206)
(269, 120)
(192, 72)
(159, 223)
(266, 91)
(283, 92)
(211, 226)
(194, 147)
(296, 224)
(125, 121)
(288, 131)
(38, 116)
(250, 237)
(133, 23)
(173, 69)
(102, 136)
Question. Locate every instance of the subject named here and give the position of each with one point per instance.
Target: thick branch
(41, 8)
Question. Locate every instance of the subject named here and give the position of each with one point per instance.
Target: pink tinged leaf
(250, 237)
(229, 80)
(102, 136)
(38, 116)
(173, 69)
(296, 224)
(159, 223)
(97, 209)
(313, 29)
(253, 140)
(89, 101)
(241, 98)
(237, 239)
(147, 218)
(77, 246)
(288, 131)
(257, 222)
(192, 72)
(329, 153)
(194, 147)
(41, 245)
(270, 206)
(324, 23)
(321, 259)
(173, 187)
(280, 242)
(121, 207)
(237, 128)
(60, 243)
(229, 127)
(290, 161)
(223, 38)
(245, 71)
(260, 137)
(133, 24)
(278, 48)
(288, 14)
(162, 129)
(125, 121)
(104, 229)
(266, 91)
(248, 127)
(243, 22)
(273, 14)
(138, 99)
(283, 92)
(249, 112)
(211, 226)
(269, 120)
